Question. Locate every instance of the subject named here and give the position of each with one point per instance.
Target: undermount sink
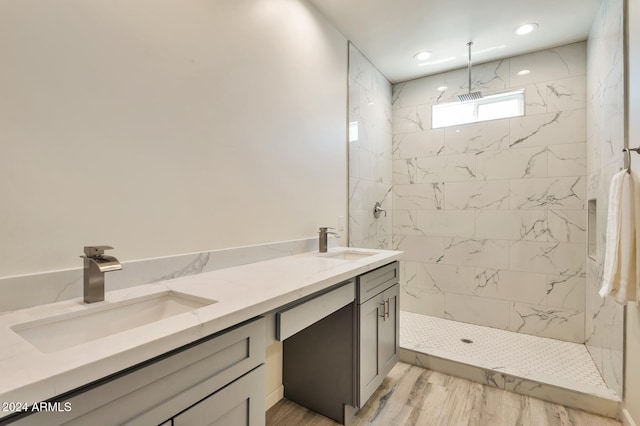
(63, 331)
(349, 255)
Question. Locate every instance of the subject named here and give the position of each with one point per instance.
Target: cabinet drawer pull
(383, 311)
(386, 308)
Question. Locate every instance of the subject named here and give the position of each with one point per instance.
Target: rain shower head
(471, 96)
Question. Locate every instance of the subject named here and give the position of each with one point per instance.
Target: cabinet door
(389, 330)
(378, 340)
(369, 368)
(239, 404)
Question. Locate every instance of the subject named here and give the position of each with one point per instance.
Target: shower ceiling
(390, 33)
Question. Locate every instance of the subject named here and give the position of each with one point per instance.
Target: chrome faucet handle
(95, 251)
(325, 229)
(377, 209)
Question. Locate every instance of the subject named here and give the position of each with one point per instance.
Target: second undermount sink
(349, 255)
(67, 330)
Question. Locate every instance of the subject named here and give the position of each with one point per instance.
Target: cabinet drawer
(299, 317)
(153, 393)
(377, 281)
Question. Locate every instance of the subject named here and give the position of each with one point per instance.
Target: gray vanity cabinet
(319, 351)
(219, 379)
(334, 362)
(378, 338)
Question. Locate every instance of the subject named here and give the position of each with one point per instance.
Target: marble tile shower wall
(604, 326)
(369, 153)
(491, 216)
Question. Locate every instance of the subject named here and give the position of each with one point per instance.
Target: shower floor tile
(533, 357)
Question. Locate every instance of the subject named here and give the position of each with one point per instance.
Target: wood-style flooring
(411, 395)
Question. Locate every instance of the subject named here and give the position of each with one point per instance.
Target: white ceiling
(391, 32)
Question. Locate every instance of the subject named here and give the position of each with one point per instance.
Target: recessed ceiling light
(422, 56)
(525, 28)
(523, 72)
(442, 88)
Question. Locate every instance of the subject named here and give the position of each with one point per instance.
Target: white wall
(164, 127)
(632, 343)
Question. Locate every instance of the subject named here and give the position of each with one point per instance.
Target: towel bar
(627, 158)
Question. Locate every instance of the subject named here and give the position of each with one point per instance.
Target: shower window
(492, 107)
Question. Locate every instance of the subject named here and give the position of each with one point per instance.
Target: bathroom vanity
(336, 364)
(219, 379)
(335, 313)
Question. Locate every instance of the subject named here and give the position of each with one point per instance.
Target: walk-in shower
(492, 216)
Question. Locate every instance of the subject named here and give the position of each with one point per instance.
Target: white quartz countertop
(28, 375)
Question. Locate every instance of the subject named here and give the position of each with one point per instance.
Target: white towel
(622, 239)
(612, 235)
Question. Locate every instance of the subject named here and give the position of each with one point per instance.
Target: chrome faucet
(322, 234)
(96, 263)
